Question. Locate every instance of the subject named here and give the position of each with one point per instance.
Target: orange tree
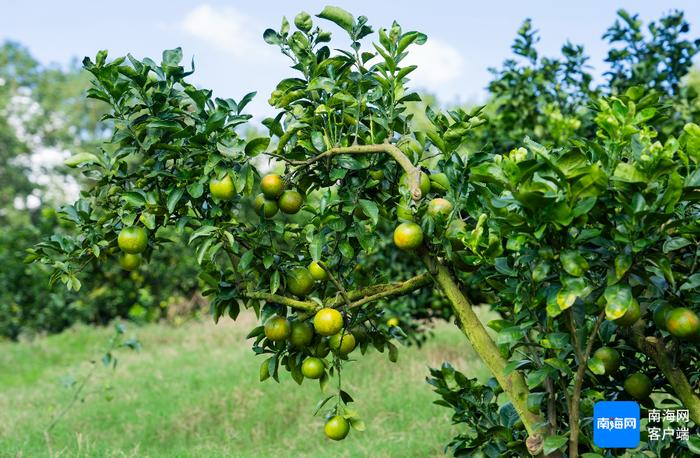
(577, 245)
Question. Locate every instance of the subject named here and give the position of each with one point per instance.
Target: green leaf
(134, 199)
(572, 289)
(271, 37)
(257, 146)
(554, 443)
(195, 190)
(628, 173)
(596, 366)
(339, 16)
(323, 382)
(174, 197)
(246, 259)
(148, 220)
(694, 444)
(265, 369)
(370, 209)
(316, 247)
(573, 263)
(558, 364)
(623, 262)
(81, 159)
(172, 57)
(274, 281)
(393, 352)
(618, 300)
(675, 243)
(357, 424)
(501, 265)
(321, 403)
(692, 283)
(202, 232)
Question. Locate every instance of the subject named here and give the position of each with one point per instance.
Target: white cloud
(225, 28)
(438, 64)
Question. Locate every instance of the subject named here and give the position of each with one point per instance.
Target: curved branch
(396, 289)
(360, 297)
(412, 171)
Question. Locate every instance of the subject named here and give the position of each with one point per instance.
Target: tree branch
(412, 171)
(360, 297)
(375, 292)
(654, 349)
(514, 384)
(307, 306)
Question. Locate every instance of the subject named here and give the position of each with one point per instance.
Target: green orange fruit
(132, 240)
(320, 349)
(682, 322)
(336, 428)
(439, 183)
(290, 202)
(277, 328)
(609, 357)
(440, 207)
(638, 386)
(631, 315)
(328, 321)
(313, 368)
(411, 148)
(408, 236)
(424, 182)
(272, 186)
(301, 335)
(299, 281)
(222, 189)
(342, 343)
(269, 207)
(130, 261)
(661, 315)
(317, 272)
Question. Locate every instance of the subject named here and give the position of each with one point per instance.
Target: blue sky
(465, 38)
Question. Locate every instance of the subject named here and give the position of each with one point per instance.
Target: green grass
(193, 391)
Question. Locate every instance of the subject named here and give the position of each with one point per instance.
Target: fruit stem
(654, 348)
(337, 284)
(513, 384)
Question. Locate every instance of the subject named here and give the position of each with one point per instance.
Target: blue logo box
(616, 424)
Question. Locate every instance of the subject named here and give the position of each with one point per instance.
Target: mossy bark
(513, 384)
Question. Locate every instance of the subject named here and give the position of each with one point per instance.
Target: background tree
(43, 113)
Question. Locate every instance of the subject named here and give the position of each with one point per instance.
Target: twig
(74, 399)
(574, 404)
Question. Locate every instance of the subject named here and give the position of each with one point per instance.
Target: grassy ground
(193, 390)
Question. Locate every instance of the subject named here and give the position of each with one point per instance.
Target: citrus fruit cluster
(132, 240)
(316, 338)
